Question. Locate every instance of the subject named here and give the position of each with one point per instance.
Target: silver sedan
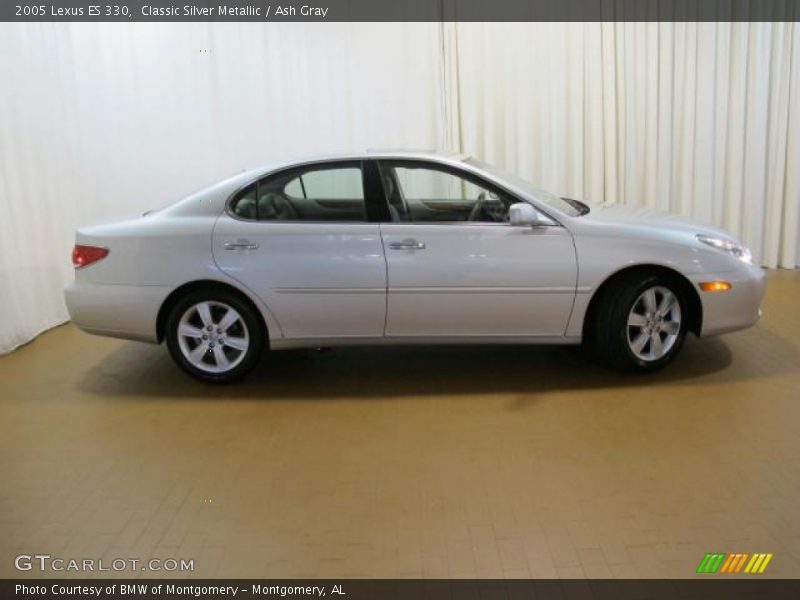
(405, 248)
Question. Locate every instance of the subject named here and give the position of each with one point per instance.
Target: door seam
(386, 281)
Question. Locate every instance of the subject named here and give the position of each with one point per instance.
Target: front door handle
(407, 244)
(240, 245)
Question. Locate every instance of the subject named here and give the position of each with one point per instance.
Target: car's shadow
(144, 371)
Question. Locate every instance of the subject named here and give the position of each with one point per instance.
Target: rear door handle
(408, 244)
(240, 245)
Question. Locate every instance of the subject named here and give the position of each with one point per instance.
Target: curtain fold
(699, 119)
(105, 120)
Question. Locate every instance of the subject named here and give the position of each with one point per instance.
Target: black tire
(250, 327)
(609, 331)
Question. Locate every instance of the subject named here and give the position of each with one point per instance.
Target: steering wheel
(477, 209)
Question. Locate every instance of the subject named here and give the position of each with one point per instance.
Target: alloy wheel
(654, 323)
(213, 336)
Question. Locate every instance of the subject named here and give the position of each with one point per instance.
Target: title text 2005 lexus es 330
(389, 248)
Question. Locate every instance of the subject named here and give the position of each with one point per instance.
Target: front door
(456, 268)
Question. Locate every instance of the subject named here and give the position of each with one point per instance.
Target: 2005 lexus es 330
(389, 248)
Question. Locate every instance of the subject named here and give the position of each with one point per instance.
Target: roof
(399, 152)
(446, 157)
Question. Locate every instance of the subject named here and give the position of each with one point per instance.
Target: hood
(615, 214)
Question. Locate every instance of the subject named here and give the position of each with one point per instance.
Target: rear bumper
(122, 311)
(737, 308)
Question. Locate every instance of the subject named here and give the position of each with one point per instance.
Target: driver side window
(425, 194)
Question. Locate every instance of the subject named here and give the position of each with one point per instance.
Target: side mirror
(522, 214)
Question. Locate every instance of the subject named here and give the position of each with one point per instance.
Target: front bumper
(737, 308)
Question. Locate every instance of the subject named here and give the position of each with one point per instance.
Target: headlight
(731, 247)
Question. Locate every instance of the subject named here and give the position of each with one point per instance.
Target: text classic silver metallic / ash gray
(404, 247)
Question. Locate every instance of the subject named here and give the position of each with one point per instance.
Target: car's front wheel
(641, 323)
(214, 335)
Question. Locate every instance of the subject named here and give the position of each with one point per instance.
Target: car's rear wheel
(214, 335)
(641, 322)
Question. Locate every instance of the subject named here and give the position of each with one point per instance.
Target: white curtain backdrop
(701, 119)
(104, 120)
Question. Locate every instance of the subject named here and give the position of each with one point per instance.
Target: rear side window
(327, 192)
(244, 206)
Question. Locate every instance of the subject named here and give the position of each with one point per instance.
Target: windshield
(573, 208)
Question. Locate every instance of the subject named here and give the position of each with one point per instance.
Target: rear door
(300, 239)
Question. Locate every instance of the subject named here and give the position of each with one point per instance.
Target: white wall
(99, 120)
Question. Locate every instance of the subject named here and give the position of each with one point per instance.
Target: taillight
(83, 256)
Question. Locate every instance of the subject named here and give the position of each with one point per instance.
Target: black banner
(404, 589)
(399, 10)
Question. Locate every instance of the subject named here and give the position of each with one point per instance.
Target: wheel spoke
(667, 302)
(229, 319)
(649, 299)
(222, 361)
(636, 320)
(670, 327)
(190, 331)
(237, 343)
(204, 311)
(196, 355)
(639, 342)
(656, 347)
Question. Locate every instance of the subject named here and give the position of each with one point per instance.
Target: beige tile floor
(408, 462)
